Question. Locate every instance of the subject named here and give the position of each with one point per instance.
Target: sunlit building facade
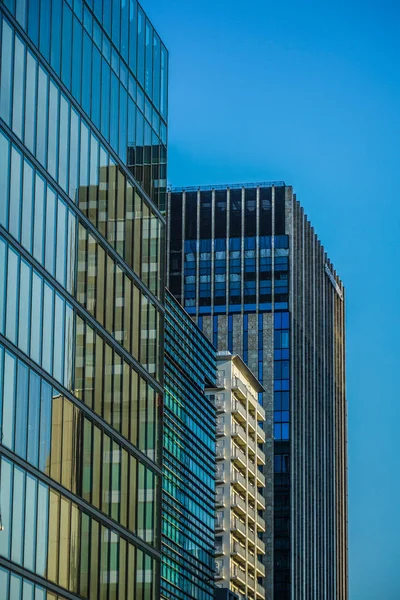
(248, 266)
(240, 483)
(188, 498)
(82, 84)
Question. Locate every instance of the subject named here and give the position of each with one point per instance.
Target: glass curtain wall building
(81, 299)
(188, 498)
(247, 265)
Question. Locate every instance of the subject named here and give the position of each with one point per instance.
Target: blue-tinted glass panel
(42, 528)
(3, 271)
(6, 73)
(15, 194)
(30, 524)
(48, 312)
(51, 216)
(6, 506)
(41, 134)
(45, 428)
(56, 8)
(18, 515)
(18, 87)
(33, 419)
(12, 295)
(21, 412)
(66, 45)
(4, 179)
(24, 307)
(27, 207)
(36, 318)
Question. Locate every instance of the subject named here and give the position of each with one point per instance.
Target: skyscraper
(188, 460)
(82, 86)
(247, 265)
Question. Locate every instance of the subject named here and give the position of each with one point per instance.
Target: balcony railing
(238, 550)
(260, 523)
(238, 502)
(237, 525)
(239, 388)
(238, 479)
(220, 381)
(261, 478)
(238, 431)
(237, 453)
(238, 408)
(219, 521)
(220, 452)
(260, 546)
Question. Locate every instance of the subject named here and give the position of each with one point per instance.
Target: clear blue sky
(309, 92)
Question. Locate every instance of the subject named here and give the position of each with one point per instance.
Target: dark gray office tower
(247, 265)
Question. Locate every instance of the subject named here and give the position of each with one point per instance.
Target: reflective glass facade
(188, 497)
(247, 265)
(81, 299)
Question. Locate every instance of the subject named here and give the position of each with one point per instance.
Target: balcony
(260, 435)
(220, 428)
(219, 570)
(238, 528)
(260, 546)
(251, 423)
(238, 504)
(260, 523)
(260, 501)
(251, 515)
(239, 411)
(238, 552)
(238, 457)
(238, 388)
(260, 591)
(219, 474)
(260, 568)
(238, 480)
(251, 445)
(219, 403)
(251, 467)
(219, 522)
(219, 499)
(260, 478)
(220, 452)
(251, 582)
(239, 433)
(238, 575)
(251, 491)
(260, 457)
(220, 381)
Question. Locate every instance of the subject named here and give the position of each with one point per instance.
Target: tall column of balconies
(239, 485)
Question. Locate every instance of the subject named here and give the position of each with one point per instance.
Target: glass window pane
(6, 73)
(59, 323)
(30, 102)
(33, 419)
(63, 144)
(18, 515)
(15, 587)
(71, 240)
(36, 318)
(24, 307)
(45, 428)
(21, 410)
(41, 137)
(27, 207)
(54, 537)
(73, 155)
(53, 130)
(3, 271)
(50, 253)
(42, 529)
(30, 523)
(48, 316)
(4, 577)
(18, 91)
(15, 194)
(6, 507)
(68, 347)
(38, 236)
(61, 242)
(12, 295)
(4, 178)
